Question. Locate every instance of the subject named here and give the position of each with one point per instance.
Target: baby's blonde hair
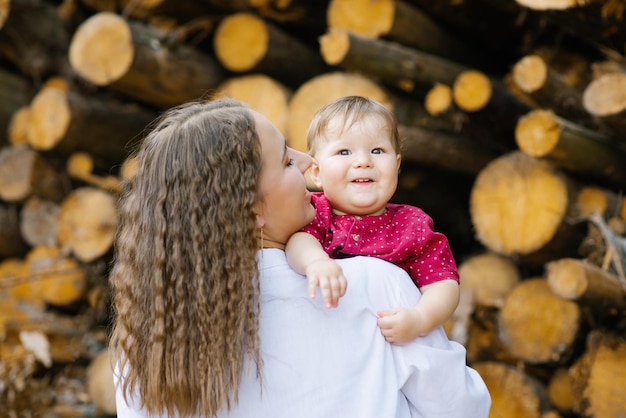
(350, 109)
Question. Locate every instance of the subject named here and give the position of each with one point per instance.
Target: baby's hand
(328, 275)
(400, 325)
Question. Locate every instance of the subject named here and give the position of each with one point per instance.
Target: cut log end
(537, 133)
(582, 281)
(59, 280)
(102, 50)
(367, 18)
(438, 99)
(87, 237)
(49, 118)
(38, 222)
(262, 93)
(513, 394)
(472, 90)
(604, 394)
(537, 326)
(489, 278)
(100, 383)
(321, 90)
(548, 4)
(606, 95)
(17, 130)
(590, 200)
(566, 278)
(334, 46)
(517, 204)
(560, 390)
(79, 164)
(530, 73)
(241, 41)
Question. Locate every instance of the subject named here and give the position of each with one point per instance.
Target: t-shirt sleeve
(433, 260)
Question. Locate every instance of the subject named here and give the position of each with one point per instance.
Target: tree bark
(583, 282)
(549, 90)
(245, 43)
(488, 102)
(25, 173)
(400, 22)
(135, 59)
(64, 120)
(12, 243)
(35, 39)
(15, 93)
(397, 65)
(541, 133)
(450, 152)
(604, 98)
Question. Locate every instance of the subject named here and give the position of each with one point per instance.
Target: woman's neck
(265, 242)
(273, 244)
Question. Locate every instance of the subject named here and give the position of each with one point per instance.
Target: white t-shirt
(321, 363)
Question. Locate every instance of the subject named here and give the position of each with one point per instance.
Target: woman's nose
(303, 160)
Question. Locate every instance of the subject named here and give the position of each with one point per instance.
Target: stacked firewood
(512, 113)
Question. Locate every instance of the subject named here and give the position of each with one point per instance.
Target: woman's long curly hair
(185, 278)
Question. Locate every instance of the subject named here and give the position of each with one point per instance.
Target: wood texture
(519, 205)
(244, 42)
(450, 72)
(541, 133)
(536, 326)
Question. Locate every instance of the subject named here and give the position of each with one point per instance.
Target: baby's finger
(343, 285)
(336, 290)
(388, 334)
(313, 282)
(327, 296)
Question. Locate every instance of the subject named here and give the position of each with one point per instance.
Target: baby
(356, 150)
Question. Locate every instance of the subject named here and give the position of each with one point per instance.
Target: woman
(203, 330)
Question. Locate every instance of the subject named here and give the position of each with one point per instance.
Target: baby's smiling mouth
(362, 181)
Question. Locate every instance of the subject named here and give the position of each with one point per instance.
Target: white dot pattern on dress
(403, 235)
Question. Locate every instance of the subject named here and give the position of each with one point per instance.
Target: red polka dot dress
(403, 235)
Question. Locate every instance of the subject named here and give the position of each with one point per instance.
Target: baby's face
(357, 168)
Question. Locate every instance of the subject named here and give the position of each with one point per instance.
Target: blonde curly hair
(185, 278)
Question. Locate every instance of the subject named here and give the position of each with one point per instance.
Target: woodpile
(513, 115)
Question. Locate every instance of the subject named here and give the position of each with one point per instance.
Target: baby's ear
(314, 174)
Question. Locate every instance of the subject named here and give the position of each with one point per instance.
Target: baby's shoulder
(404, 210)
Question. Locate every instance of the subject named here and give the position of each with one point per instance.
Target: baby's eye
(344, 152)
(378, 151)
(290, 162)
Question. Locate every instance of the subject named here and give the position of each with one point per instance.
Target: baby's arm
(306, 256)
(436, 306)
